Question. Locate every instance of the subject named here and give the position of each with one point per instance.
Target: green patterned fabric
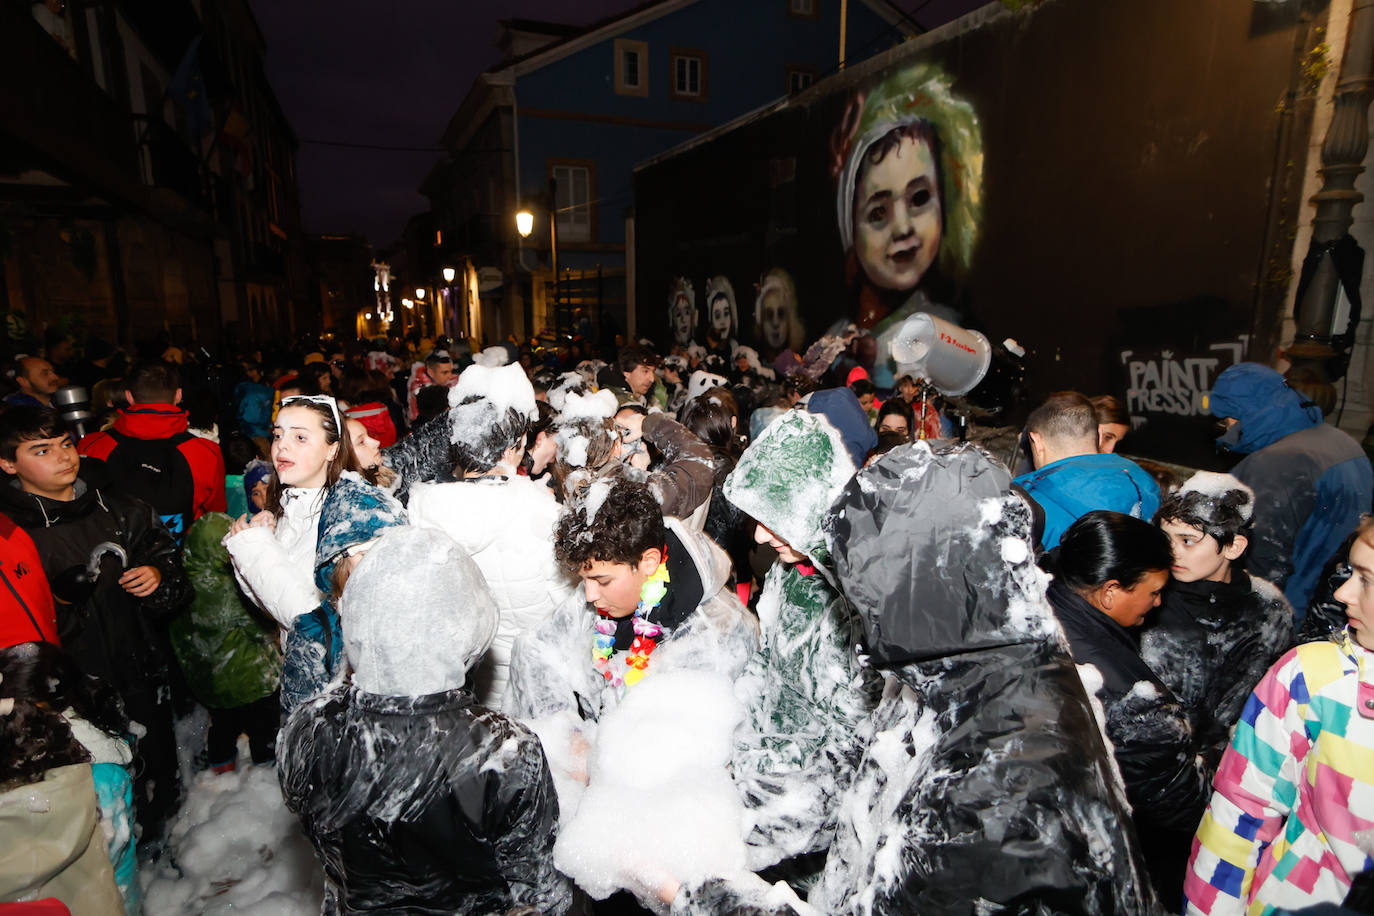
(228, 653)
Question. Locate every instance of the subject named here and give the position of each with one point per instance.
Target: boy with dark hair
(1071, 478)
(652, 643)
(116, 575)
(151, 454)
(1217, 629)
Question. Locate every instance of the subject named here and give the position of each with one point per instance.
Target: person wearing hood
(807, 697)
(151, 454)
(492, 411)
(986, 785)
(1217, 629)
(654, 613)
(1071, 478)
(416, 798)
(116, 574)
(354, 515)
(1110, 570)
(842, 408)
(1312, 482)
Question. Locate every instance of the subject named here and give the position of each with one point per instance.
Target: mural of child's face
(897, 216)
(681, 315)
(774, 315)
(720, 316)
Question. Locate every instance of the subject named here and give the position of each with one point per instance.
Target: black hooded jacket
(1211, 642)
(987, 786)
(458, 819)
(1167, 781)
(111, 635)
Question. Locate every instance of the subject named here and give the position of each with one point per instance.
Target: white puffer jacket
(277, 569)
(506, 523)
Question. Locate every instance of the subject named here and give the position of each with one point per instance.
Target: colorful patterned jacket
(1294, 789)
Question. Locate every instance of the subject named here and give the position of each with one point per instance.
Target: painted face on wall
(720, 316)
(897, 227)
(682, 310)
(773, 319)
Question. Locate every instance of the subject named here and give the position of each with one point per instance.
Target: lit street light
(524, 223)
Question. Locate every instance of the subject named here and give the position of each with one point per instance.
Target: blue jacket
(1312, 482)
(846, 414)
(253, 408)
(1070, 488)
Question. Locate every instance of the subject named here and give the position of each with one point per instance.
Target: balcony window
(802, 9)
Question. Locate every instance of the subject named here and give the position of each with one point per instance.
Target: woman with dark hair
(711, 417)
(1109, 573)
(895, 415)
(60, 728)
(541, 444)
(1113, 422)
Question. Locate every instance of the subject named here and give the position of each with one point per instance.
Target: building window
(438, 237)
(798, 78)
(688, 73)
(573, 203)
(803, 9)
(631, 67)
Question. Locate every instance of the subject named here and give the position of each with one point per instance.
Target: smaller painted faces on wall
(908, 163)
(776, 319)
(682, 311)
(721, 310)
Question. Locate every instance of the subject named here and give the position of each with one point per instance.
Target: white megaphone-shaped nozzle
(952, 359)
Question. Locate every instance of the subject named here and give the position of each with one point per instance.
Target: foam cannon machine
(976, 378)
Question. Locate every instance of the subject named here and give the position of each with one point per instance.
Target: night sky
(392, 75)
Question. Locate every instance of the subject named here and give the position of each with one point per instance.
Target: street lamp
(449, 274)
(420, 293)
(408, 303)
(524, 224)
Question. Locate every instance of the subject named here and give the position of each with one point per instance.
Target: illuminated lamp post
(524, 224)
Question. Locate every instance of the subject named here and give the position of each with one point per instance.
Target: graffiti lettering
(1167, 383)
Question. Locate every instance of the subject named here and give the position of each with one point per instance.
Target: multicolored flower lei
(651, 594)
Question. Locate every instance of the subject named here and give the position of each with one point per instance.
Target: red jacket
(151, 455)
(26, 606)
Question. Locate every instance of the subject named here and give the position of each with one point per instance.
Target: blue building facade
(582, 108)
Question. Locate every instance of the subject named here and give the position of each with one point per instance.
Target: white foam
(504, 387)
(239, 850)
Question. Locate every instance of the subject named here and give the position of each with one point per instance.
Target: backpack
(155, 471)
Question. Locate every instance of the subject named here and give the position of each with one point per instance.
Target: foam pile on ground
(239, 851)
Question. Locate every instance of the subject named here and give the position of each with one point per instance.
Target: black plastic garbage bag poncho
(987, 786)
(417, 799)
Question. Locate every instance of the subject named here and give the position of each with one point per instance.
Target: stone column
(1343, 153)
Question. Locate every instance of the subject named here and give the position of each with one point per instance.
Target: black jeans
(259, 720)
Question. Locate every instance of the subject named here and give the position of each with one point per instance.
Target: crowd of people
(523, 632)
